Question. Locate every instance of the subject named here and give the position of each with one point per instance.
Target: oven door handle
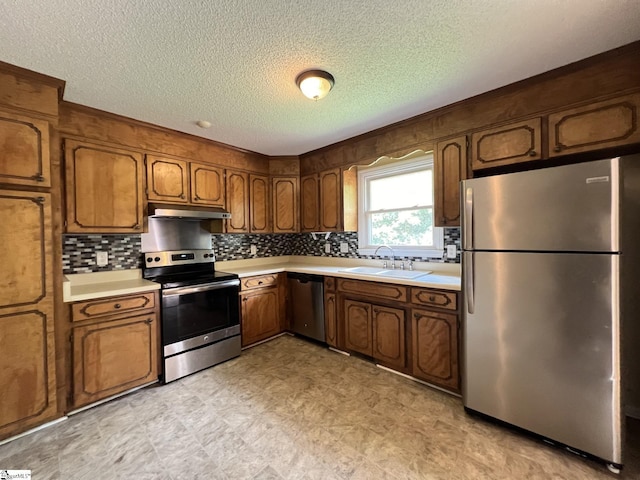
(200, 288)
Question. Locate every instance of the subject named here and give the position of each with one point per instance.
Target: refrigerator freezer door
(541, 346)
(569, 208)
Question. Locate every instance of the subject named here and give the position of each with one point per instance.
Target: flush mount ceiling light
(315, 84)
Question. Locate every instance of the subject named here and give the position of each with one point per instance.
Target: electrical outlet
(344, 247)
(254, 250)
(451, 251)
(327, 247)
(102, 259)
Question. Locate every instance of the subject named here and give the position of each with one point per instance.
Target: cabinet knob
(557, 148)
(532, 153)
(432, 298)
(117, 305)
(244, 299)
(196, 198)
(149, 321)
(137, 226)
(416, 315)
(182, 196)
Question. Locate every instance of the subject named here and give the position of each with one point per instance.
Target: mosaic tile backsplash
(79, 251)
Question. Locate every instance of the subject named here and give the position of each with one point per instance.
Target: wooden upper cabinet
(330, 200)
(285, 204)
(27, 343)
(309, 206)
(207, 185)
(611, 123)
(24, 151)
(167, 179)
(104, 191)
(506, 145)
(450, 168)
(435, 348)
(259, 204)
(237, 202)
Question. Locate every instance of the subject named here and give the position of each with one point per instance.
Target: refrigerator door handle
(470, 282)
(468, 219)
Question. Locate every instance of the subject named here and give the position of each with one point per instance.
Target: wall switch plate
(102, 259)
(344, 247)
(254, 250)
(451, 251)
(327, 248)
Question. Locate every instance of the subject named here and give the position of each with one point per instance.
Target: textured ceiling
(234, 62)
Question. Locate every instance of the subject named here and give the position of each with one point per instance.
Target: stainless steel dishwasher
(306, 301)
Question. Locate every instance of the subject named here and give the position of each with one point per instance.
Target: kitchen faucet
(392, 256)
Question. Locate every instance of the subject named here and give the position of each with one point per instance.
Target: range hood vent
(163, 210)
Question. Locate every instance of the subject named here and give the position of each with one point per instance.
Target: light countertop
(88, 286)
(444, 276)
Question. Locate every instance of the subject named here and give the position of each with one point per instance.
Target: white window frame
(365, 174)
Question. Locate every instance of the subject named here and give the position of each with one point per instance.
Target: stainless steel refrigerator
(551, 289)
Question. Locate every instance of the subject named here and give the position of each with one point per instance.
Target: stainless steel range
(200, 316)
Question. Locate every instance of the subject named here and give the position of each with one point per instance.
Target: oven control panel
(178, 257)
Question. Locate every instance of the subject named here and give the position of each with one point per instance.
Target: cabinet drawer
(259, 281)
(112, 305)
(434, 298)
(378, 290)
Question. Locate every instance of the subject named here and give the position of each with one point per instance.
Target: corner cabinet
(27, 363)
(450, 168)
(115, 346)
(606, 124)
(512, 143)
(24, 151)
(285, 204)
(104, 188)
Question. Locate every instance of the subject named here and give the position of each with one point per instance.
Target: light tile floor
(289, 409)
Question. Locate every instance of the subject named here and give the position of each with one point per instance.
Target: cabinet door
(450, 168)
(104, 189)
(330, 320)
(611, 123)
(207, 185)
(110, 357)
(260, 315)
(259, 204)
(357, 327)
(309, 206)
(167, 179)
(24, 151)
(389, 336)
(506, 145)
(330, 200)
(285, 204)
(27, 362)
(435, 348)
(238, 202)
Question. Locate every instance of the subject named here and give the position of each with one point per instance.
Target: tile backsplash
(78, 254)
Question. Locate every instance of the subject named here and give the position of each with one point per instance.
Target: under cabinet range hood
(184, 212)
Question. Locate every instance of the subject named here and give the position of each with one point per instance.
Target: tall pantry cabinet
(27, 334)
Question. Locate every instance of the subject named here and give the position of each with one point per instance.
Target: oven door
(197, 315)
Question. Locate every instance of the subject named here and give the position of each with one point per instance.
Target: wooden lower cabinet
(260, 314)
(389, 336)
(110, 357)
(435, 348)
(330, 319)
(358, 333)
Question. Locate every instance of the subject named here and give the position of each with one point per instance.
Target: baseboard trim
(430, 385)
(34, 430)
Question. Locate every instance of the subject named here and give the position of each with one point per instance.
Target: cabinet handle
(137, 226)
(260, 282)
(148, 321)
(532, 153)
(196, 198)
(416, 315)
(557, 148)
(375, 310)
(117, 305)
(244, 299)
(432, 298)
(182, 196)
